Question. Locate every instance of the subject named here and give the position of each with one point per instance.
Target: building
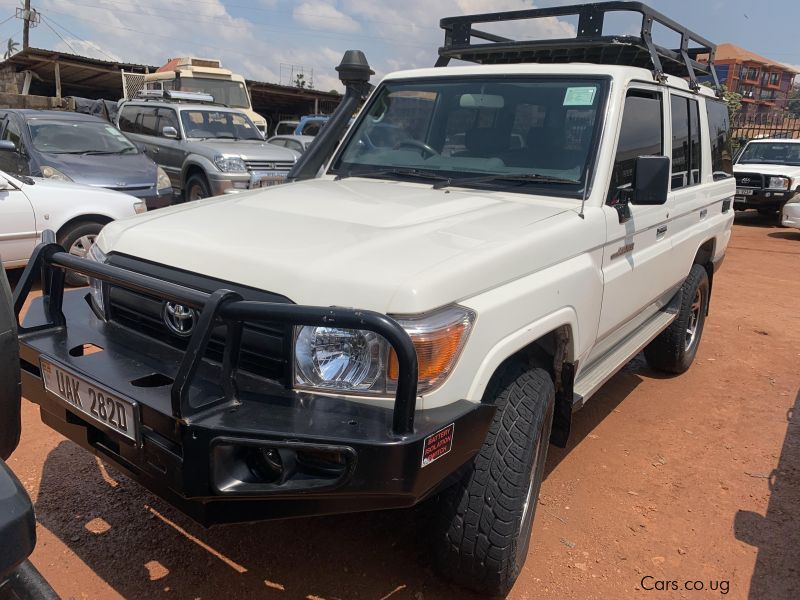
(763, 83)
(38, 78)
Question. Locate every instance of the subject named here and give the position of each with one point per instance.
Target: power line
(46, 22)
(77, 37)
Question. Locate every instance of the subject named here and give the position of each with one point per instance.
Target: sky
(262, 39)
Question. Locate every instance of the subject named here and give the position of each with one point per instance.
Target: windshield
(532, 133)
(771, 153)
(78, 137)
(218, 124)
(227, 92)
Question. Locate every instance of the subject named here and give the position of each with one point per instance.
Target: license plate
(267, 178)
(98, 404)
(744, 192)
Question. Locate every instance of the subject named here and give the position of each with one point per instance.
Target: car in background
(767, 175)
(286, 127)
(206, 149)
(311, 124)
(298, 143)
(76, 213)
(790, 216)
(81, 148)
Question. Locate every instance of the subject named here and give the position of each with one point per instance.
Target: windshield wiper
(534, 177)
(391, 171)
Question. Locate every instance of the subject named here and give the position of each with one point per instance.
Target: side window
(719, 132)
(146, 121)
(641, 134)
(13, 133)
(167, 118)
(686, 156)
(127, 119)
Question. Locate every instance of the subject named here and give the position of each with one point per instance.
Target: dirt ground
(692, 480)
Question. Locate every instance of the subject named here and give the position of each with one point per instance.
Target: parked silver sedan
(298, 143)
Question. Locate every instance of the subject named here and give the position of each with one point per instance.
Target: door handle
(154, 150)
(703, 213)
(661, 231)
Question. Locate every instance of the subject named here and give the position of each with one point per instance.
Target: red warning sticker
(437, 444)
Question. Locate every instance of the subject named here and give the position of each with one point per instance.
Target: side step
(595, 376)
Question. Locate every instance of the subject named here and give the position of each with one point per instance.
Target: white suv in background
(767, 175)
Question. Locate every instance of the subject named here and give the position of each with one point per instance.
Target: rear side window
(127, 118)
(642, 134)
(719, 132)
(686, 155)
(146, 121)
(168, 119)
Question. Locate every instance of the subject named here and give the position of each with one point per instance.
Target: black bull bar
(220, 307)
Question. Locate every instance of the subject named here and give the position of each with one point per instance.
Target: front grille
(265, 346)
(269, 165)
(749, 180)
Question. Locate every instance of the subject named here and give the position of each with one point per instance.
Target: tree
(793, 104)
(11, 48)
(300, 80)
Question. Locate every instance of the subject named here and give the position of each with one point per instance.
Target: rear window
(719, 132)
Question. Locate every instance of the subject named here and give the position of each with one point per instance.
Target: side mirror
(651, 178)
(8, 146)
(169, 132)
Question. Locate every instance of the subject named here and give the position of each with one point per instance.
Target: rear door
(171, 153)
(637, 252)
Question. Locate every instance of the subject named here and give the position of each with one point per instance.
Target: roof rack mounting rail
(588, 45)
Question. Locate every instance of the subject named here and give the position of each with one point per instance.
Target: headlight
(162, 179)
(362, 362)
(230, 164)
(778, 183)
(53, 173)
(140, 207)
(96, 285)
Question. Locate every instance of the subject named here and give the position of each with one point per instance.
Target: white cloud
(85, 48)
(318, 14)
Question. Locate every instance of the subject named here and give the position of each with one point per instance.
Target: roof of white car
(617, 72)
(774, 141)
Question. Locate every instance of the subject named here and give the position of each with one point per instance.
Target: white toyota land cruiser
(481, 251)
(767, 175)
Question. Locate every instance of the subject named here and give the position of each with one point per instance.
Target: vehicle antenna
(585, 190)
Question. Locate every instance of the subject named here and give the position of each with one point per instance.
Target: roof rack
(588, 45)
(177, 96)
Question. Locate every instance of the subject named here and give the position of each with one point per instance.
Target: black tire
(77, 239)
(675, 348)
(196, 188)
(483, 528)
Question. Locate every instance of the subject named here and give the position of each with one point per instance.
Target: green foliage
(12, 48)
(794, 100)
(732, 99)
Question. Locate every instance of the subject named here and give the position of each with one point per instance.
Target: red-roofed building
(763, 83)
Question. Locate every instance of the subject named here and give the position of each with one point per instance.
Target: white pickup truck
(481, 251)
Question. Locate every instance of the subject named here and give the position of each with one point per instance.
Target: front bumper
(234, 183)
(197, 445)
(762, 199)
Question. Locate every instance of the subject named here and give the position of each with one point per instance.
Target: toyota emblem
(179, 319)
(745, 180)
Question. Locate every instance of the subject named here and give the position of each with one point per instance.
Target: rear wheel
(197, 187)
(675, 348)
(485, 519)
(77, 239)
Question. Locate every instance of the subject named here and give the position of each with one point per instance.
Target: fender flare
(523, 337)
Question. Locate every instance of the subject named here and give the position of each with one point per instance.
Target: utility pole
(30, 18)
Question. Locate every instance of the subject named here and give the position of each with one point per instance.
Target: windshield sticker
(580, 96)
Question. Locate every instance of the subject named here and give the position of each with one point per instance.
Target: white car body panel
(26, 210)
(791, 215)
(526, 264)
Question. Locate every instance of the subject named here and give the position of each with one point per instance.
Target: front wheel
(77, 239)
(675, 348)
(197, 188)
(485, 519)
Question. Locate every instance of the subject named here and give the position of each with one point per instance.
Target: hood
(767, 169)
(247, 149)
(104, 170)
(389, 246)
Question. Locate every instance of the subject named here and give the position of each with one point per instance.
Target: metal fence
(764, 126)
(132, 84)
